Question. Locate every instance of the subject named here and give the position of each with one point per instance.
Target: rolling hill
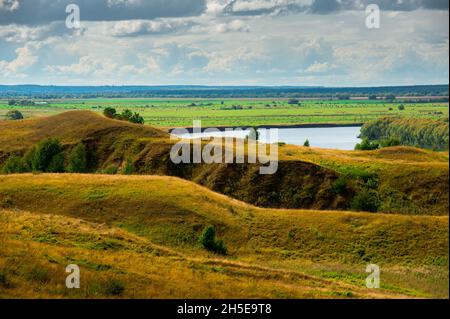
(140, 233)
(306, 177)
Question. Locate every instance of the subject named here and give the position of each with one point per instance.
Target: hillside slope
(272, 253)
(306, 177)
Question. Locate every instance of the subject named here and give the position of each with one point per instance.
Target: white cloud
(232, 26)
(24, 59)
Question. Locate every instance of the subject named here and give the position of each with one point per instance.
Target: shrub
(340, 185)
(401, 107)
(306, 143)
(389, 142)
(110, 112)
(48, 157)
(77, 159)
(136, 118)
(111, 169)
(367, 145)
(367, 200)
(128, 168)
(4, 279)
(209, 242)
(113, 287)
(38, 274)
(14, 164)
(14, 115)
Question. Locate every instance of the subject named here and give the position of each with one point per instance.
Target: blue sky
(224, 42)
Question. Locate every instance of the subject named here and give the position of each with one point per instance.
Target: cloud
(264, 7)
(131, 28)
(24, 59)
(23, 34)
(32, 12)
(232, 26)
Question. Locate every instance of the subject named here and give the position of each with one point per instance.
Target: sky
(224, 42)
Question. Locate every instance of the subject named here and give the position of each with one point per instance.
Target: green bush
(77, 159)
(113, 287)
(111, 169)
(389, 142)
(367, 145)
(14, 164)
(4, 281)
(209, 242)
(110, 112)
(128, 168)
(48, 157)
(306, 143)
(14, 115)
(340, 185)
(367, 201)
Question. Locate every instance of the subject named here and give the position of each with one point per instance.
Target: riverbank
(281, 126)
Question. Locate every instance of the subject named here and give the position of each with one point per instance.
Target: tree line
(423, 133)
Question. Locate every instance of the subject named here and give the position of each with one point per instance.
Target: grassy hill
(139, 233)
(307, 177)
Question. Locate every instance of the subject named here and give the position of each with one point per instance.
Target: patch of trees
(208, 240)
(126, 115)
(13, 115)
(21, 103)
(424, 133)
(48, 156)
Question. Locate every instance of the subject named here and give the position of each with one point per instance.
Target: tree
(306, 143)
(48, 157)
(136, 118)
(110, 112)
(77, 159)
(14, 115)
(126, 115)
(253, 134)
(367, 145)
(401, 107)
(14, 164)
(209, 242)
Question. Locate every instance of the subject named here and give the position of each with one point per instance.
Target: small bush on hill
(367, 145)
(340, 185)
(389, 142)
(113, 287)
(209, 242)
(367, 201)
(110, 112)
(14, 164)
(14, 115)
(126, 115)
(77, 159)
(48, 157)
(306, 143)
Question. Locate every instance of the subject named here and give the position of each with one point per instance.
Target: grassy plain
(181, 112)
(141, 232)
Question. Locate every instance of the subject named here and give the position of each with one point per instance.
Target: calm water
(342, 138)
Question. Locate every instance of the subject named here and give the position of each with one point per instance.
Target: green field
(249, 112)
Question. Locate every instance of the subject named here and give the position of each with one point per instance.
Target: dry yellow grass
(268, 249)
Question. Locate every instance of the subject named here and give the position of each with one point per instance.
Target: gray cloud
(33, 12)
(262, 7)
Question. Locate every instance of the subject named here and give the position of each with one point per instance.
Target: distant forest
(54, 92)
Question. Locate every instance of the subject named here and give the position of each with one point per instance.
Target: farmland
(176, 112)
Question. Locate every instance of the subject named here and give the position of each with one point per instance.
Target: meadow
(132, 221)
(168, 113)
